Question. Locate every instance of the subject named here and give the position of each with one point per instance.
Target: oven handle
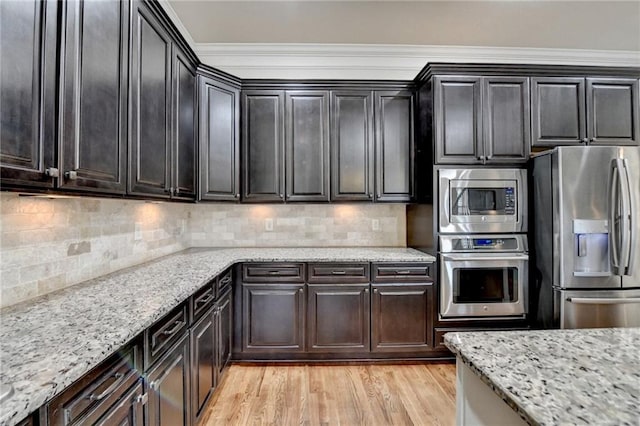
(466, 258)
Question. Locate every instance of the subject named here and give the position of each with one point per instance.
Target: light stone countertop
(559, 377)
(48, 343)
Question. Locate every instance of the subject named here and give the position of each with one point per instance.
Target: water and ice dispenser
(591, 254)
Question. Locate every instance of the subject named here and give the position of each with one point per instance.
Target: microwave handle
(484, 257)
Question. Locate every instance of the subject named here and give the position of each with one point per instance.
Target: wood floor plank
(318, 395)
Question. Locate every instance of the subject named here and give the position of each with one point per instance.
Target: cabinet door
(338, 317)
(219, 141)
(203, 370)
(506, 119)
(307, 145)
(401, 317)
(273, 318)
(169, 387)
(557, 111)
(150, 136)
(28, 38)
(128, 411)
(352, 148)
(612, 109)
(225, 332)
(263, 145)
(184, 128)
(93, 134)
(457, 120)
(394, 145)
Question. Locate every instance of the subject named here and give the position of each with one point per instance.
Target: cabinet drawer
(202, 300)
(89, 398)
(273, 272)
(224, 281)
(338, 272)
(164, 333)
(402, 272)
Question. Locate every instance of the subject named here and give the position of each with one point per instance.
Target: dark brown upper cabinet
(394, 145)
(219, 140)
(184, 110)
(575, 110)
(150, 115)
(93, 92)
(352, 146)
(307, 145)
(481, 120)
(263, 145)
(28, 39)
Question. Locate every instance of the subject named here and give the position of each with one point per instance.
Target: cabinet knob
(71, 175)
(592, 140)
(177, 191)
(584, 140)
(52, 172)
(153, 385)
(142, 399)
(237, 195)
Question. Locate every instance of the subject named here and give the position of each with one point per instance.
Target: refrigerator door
(599, 308)
(582, 193)
(631, 158)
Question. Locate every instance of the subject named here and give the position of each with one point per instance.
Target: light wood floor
(370, 394)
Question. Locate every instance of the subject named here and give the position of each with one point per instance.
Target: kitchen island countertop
(49, 342)
(550, 377)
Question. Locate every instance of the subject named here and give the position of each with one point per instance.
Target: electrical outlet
(268, 224)
(375, 224)
(137, 233)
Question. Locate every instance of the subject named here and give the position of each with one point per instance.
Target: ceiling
(595, 25)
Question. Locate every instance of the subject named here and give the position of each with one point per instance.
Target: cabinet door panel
(94, 96)
(151, 105)
(338, 317)
(203, 371)
(263, 145)
(457, 120)
(127, 412)
(219, 141)
(225, 332)
(612, 108)
(28, 38)
(352, 160)
(169, 388)
(307, 145)
(273, 317)
(184, 128)
(558, 114)
(401, 317)
(394, 146)
(506, 119)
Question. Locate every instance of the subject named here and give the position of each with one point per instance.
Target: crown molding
(384, 62)
(170, 11)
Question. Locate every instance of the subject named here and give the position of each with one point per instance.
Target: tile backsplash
(49, 244)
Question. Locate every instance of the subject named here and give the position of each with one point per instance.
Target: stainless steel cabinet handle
(584, 140)
(205, 300)
(177, 326)
(153, 385)
(403, 272)
(177, 191)
(602, 300)
(71, 175)
(484, 257)
(119, 378)
(142, 399)
(52, 172)
(338, 272)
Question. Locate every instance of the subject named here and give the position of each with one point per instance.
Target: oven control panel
(469, 243)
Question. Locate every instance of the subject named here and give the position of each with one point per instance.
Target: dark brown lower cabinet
(273, 318)
(203, 368)
(128, 411)
(401, 317)
(168, 391)
(224, 332)
(338, 317)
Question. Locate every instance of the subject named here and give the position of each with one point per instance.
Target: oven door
(483, 285)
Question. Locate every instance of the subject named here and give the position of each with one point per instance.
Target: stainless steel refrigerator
(586, 231)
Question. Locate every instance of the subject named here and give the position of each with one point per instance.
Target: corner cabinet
(219, 140)
(479, 120)
(576, 110)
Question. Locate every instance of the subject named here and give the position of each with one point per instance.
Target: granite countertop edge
(29, 396)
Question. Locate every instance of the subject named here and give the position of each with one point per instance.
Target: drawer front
(201, 301)
(164, 333)
(92, 395)
(402, 272)
(273, 272)
(338, 272)
(225, 281)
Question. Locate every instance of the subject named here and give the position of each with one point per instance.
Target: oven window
(471, 201)
(485, 285)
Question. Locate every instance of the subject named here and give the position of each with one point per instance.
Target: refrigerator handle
(619, 217)
(628, 248)
(614, 175)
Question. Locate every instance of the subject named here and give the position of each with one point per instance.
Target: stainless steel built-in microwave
(482, 200)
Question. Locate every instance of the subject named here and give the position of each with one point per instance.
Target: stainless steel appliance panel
(509, 200)
(598, 308)
(631, 158)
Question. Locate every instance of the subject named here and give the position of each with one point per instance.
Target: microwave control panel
(509, 200)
